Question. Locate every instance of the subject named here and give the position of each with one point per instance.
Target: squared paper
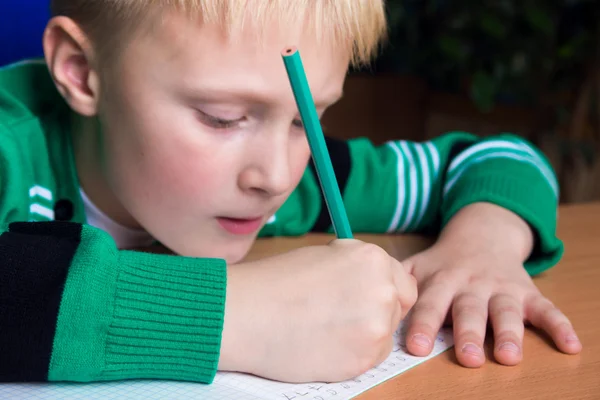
(231, 386)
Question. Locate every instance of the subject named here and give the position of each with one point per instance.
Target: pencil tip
(289, 50)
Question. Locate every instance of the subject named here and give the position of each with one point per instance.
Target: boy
(174, 122)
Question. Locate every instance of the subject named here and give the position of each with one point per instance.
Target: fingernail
(572, 338)
(509, 346)
(471, 349)
(421, 341)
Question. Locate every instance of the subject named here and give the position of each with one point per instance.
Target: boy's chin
(231, 256)
(235, 260)
(232, 252)
(238, 253)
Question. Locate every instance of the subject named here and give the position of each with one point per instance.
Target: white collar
(124, 237)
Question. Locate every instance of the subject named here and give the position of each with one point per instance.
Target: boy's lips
(240, 226)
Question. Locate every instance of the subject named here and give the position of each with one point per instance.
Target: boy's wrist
(488, 226)
(238, 343)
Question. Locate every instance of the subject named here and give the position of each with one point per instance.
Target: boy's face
(202, 141)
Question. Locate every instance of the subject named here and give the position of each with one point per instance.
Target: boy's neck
(86, 137)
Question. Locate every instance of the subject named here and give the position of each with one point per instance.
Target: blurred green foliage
(515, 51)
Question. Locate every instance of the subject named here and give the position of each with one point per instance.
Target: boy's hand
(319, 313)
(475, 273)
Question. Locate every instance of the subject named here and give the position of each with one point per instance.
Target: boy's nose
(269, 174)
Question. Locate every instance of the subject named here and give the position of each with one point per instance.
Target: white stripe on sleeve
(400, 191)
(506, 149)
(413, 186)
(427, 179)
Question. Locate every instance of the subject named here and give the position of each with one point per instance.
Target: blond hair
(359, 25)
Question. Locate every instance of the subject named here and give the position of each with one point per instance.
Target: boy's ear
(69, 57)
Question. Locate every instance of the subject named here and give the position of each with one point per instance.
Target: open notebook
(230, 386)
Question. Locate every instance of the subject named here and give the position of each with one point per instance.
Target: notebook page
(397, 362)
(231, 386)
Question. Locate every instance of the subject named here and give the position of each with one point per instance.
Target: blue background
(22, 24)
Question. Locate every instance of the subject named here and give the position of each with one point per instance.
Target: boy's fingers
(406, 285)
(344, 242)
(544, 315)
(427, 318)
(506, 315)
(469, 315)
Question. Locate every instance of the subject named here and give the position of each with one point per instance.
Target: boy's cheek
(301, 157)
(167, 181)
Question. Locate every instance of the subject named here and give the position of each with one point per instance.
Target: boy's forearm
(487, 226)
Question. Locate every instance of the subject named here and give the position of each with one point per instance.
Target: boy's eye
(222, 123)
(218, 123)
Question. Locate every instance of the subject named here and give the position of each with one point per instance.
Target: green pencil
(316, 141)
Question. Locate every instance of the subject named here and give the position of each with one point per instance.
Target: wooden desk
(544, 373)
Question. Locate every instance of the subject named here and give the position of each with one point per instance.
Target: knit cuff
(523, 193)
(129, 315)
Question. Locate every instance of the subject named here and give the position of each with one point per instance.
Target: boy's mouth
(239, 226)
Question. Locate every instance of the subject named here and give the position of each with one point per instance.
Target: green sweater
(74, 307)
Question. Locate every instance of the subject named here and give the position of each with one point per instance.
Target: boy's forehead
(192, 49)
(181, 35)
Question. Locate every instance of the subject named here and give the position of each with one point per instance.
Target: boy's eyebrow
(227, 94)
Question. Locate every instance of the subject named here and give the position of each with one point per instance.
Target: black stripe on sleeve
(458, 148)
(340, 159)
(34, 261)
(455, 150)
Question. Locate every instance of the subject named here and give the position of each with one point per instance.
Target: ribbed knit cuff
(127, 315)
(522, 192)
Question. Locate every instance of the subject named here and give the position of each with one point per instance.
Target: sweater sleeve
(417, 187)
(75, 308)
